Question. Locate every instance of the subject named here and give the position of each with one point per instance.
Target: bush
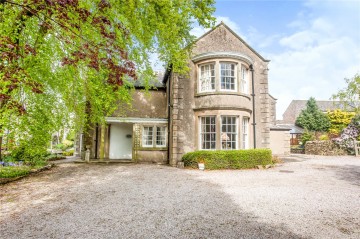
(228, 159)
(349, 135)
(13, 172)
(30, 154)
(68, 153)
(53, 157)
(307, 136)
(324, 137)
(339, 120)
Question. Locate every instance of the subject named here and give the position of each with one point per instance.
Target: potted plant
(201, 164)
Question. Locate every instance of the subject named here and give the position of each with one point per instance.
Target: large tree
(312, 118)
(350, 95)
(78, 58)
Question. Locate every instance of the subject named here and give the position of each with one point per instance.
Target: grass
(18, 171)
(14, 172)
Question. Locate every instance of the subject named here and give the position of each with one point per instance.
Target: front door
(121, 141)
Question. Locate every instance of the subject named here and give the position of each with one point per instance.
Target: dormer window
(207, 78)
(227, 76)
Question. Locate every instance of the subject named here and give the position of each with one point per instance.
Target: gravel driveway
(306, 197)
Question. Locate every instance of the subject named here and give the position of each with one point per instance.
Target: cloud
(322, 50)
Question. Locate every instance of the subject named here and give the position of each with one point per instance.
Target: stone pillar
(176, 140)
(264, 105)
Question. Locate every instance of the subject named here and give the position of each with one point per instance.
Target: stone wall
(325, 147)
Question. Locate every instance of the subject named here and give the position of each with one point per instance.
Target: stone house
(296, 106)
(223, 103)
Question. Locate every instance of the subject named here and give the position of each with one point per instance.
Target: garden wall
(324, 147)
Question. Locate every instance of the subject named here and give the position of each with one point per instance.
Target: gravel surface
(305, 197)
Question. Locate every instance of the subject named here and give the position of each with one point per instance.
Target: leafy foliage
(75, 60)
(350, 96)
(311, 118)
(339, 120)
(228, 159)
(349, 134)
(14, 172)
(307, 136)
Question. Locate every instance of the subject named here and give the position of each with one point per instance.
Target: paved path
(306, 197)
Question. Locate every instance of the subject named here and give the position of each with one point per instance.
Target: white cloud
(323, 50)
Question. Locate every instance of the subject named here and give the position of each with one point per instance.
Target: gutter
(166, 80)
(253, 104)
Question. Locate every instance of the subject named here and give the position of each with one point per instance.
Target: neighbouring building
(296, 106)
(223, 103)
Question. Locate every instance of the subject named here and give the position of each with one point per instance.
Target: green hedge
(228, 159)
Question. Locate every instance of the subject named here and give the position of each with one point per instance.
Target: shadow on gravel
(139, 201)
(350, 173)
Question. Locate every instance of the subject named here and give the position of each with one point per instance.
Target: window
(245, 133)
(208, 133)
(228, 132)
(154, 136)
(207, 78)
(244, 80)
(147, 137)
(227, 76)
(160, 136)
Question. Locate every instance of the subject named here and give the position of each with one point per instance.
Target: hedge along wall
(228, 159)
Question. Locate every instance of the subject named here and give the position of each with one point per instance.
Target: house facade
(223, 103)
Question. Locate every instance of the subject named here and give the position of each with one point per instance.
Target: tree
(350, 95)
(78, 58)
(312, 119)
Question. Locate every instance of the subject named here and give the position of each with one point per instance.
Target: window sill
(152, 149)
(222, 93)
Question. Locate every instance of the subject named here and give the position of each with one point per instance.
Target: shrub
(228, 159)
(324, 137)
(13, 172)
(30, 154)
(348, 135)
(339, 120)
(52, 157)
(307, 136)
(68, 153)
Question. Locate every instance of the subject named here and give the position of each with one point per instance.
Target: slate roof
(155, 82)
(295, 107)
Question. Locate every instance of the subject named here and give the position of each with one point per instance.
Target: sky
(312, 45)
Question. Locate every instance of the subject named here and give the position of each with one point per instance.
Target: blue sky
(312, 45)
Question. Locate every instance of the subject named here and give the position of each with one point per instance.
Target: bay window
(227, 76)
(207, 78)
(244, 80)
(245, 133)
(208, 132)
(229, 132)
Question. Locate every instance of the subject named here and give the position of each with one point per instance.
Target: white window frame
(144, 140)
(224, 134)
(153, 136)
(244, 74)
(211, 69)
(245, 132)
(235, 76)
(156, 136)
(201, 133)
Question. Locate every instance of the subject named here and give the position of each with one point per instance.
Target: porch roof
(135, 120)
